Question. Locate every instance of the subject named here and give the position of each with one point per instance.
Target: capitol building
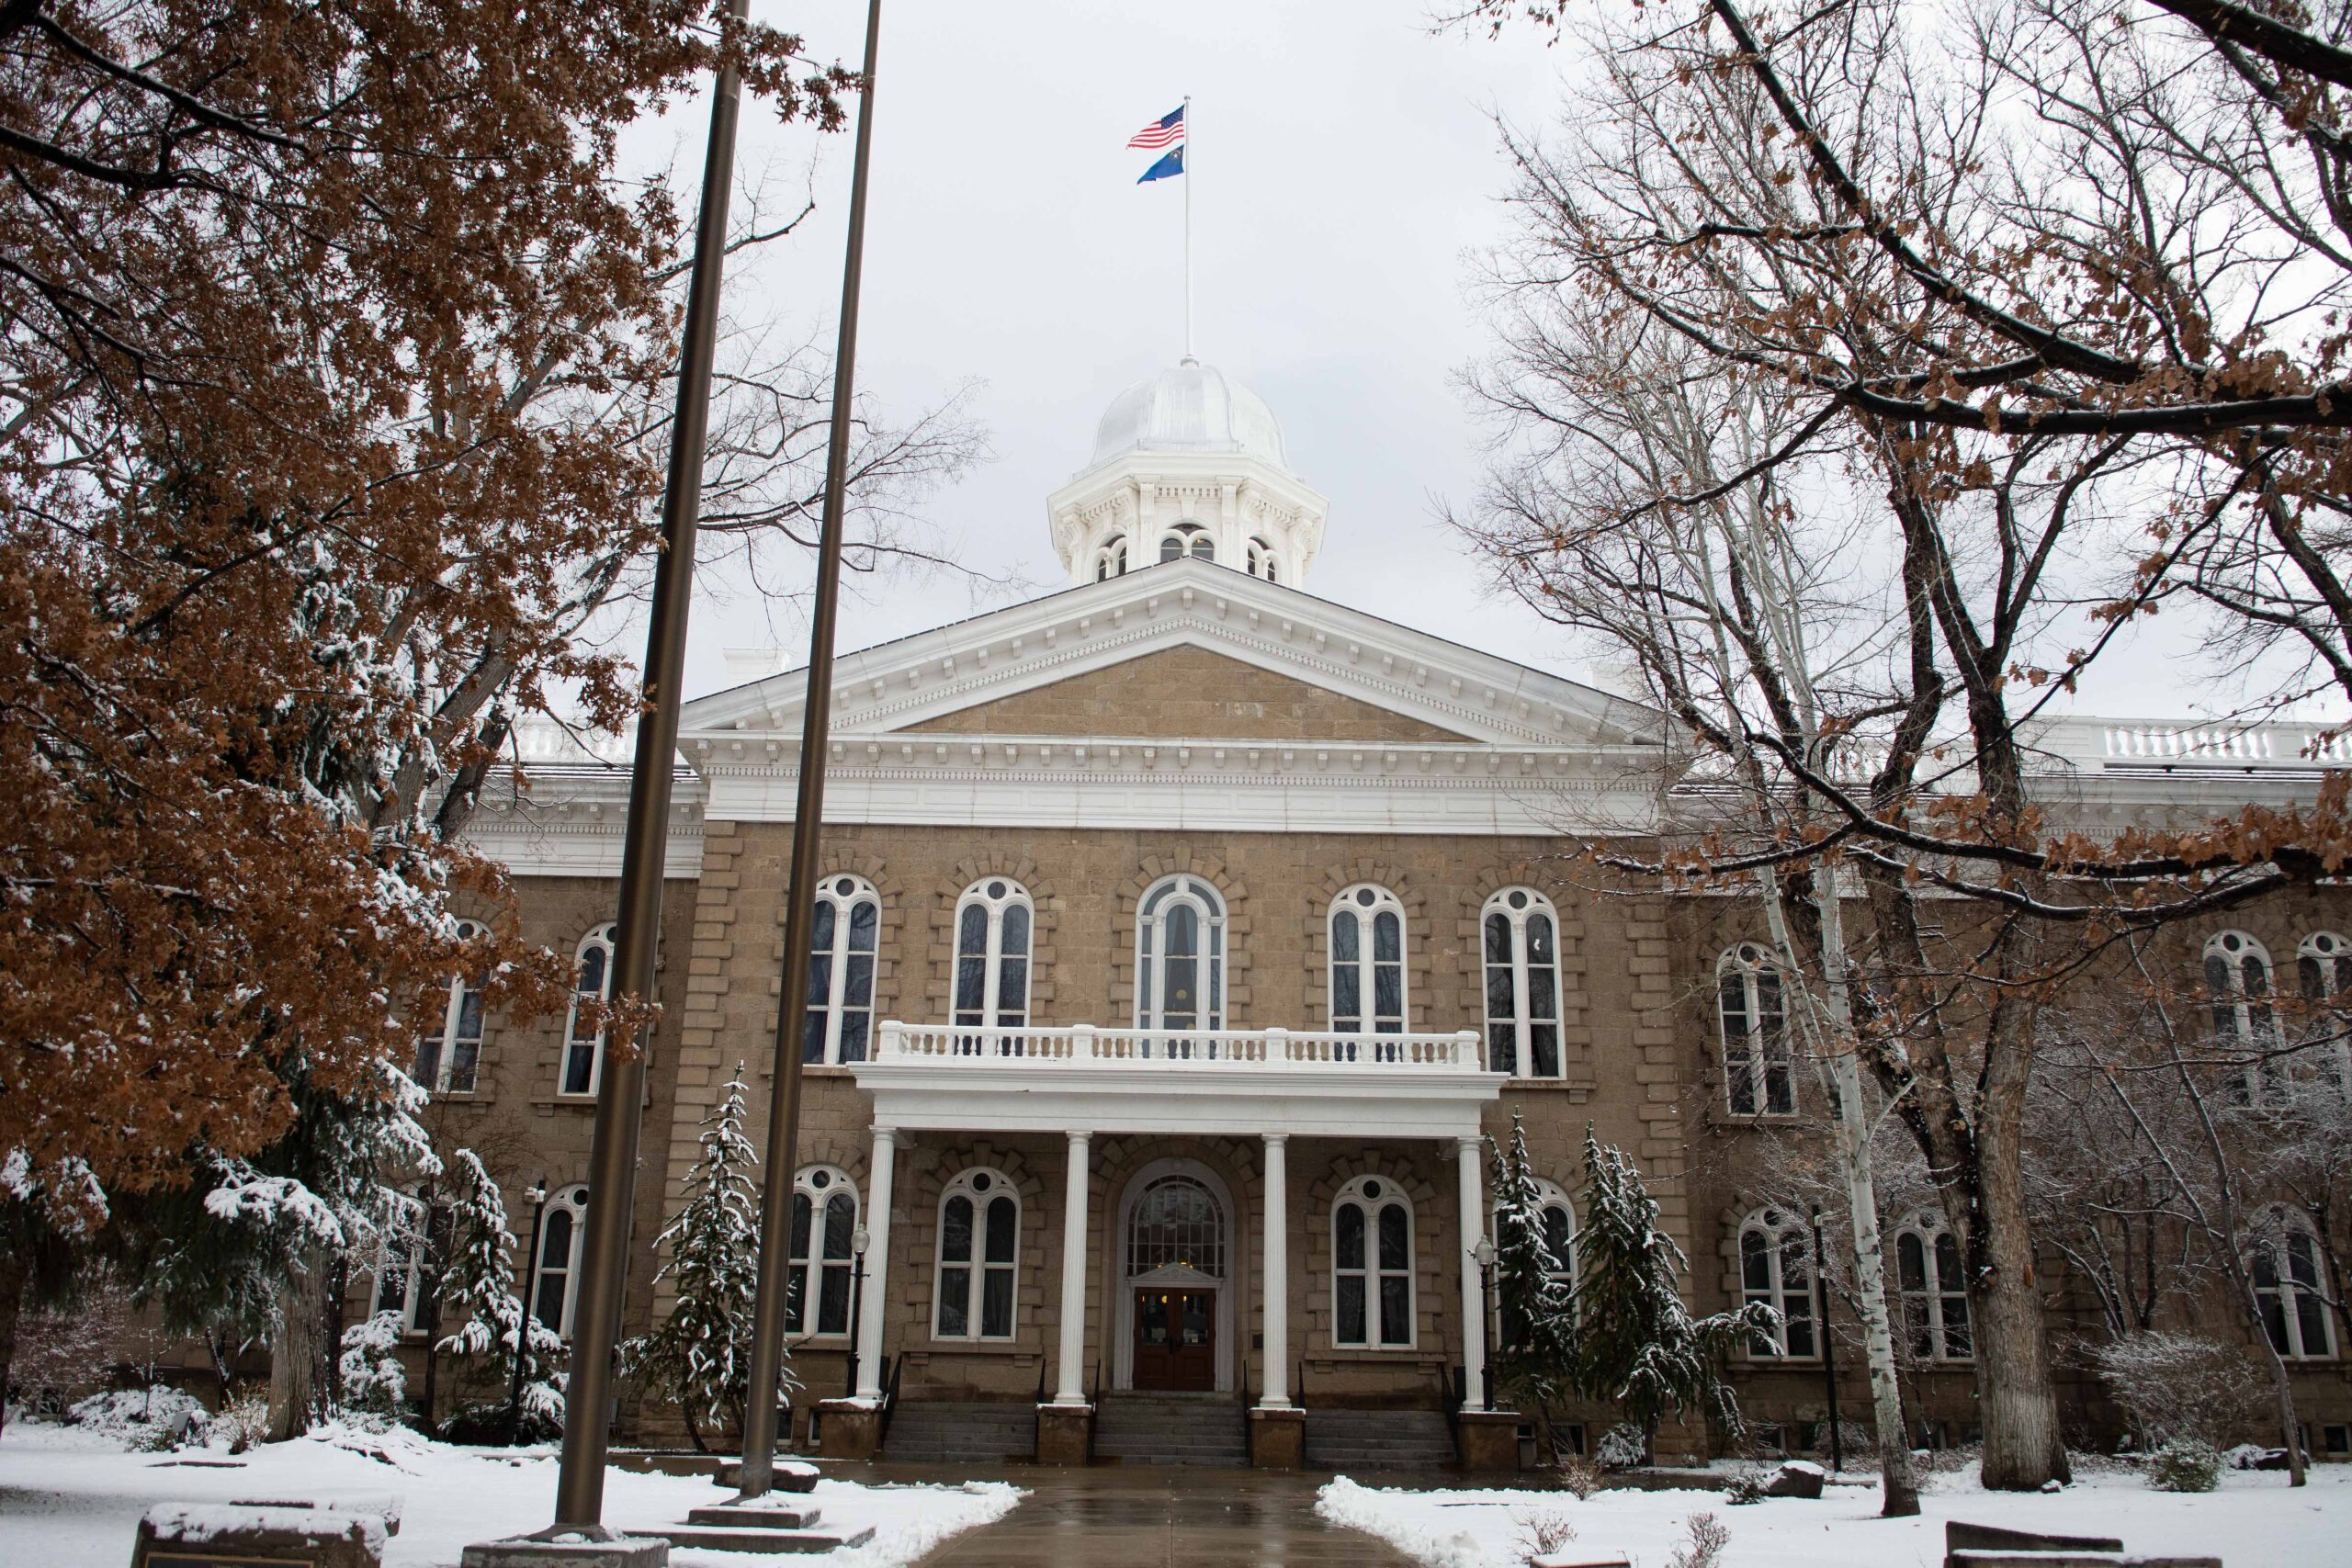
(1181, 938)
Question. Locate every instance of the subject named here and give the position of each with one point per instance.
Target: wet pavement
(1157, 1516)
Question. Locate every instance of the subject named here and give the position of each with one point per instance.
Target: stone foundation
(1277, 1438)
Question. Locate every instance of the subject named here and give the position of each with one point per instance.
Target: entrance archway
(1175, 1273)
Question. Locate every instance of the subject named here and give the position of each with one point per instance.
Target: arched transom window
(979, 1243)
(448, 1048)
(1371, 1264)
(564, 1228)
(1555, 1223)
(1178, 1222)
(410, 1234)
(824, 1251)
(993, 929)
(1179, 956)
(846, 927)
(1187, 540)
(2287, 1283)
(2246, 1024)
(583, 1042)
(1522, 964)
(1775, 1271)
(1111, 560)
(1752, 1013)
(1934, 1288)
(1262, 560)
(1367, 961)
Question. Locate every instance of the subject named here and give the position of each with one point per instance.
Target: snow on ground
(2254, 1521)
(72, 1498)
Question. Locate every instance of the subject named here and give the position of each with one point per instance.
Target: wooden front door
(1176, 1339)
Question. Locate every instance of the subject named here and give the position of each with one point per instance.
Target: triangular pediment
(1193, 650)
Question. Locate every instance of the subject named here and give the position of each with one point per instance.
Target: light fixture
(859, 1240)
(1483, 1253)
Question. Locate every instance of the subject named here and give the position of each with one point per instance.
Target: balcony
(1242, 1082)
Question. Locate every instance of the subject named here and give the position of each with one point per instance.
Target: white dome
(1190, 408)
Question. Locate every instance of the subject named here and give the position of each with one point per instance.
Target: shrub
(1622, 1447)
(1575, 1473)
(2184, 1464)
(1541, 1531)
(244, 1420)
(2182, 1386)
(149, 1420)
(1706, 1546)
(1743, 1489)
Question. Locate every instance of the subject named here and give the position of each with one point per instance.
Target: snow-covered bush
(2184, 1464)
(374, 1381)
(1574, 1474)
(2182, 1386)
(1541, 1531)
(1621, 1447)
(1852, 1436)
(1744, 1488)
(149, 1419)
(244, 1420)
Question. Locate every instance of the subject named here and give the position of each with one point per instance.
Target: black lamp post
(1829, 1346)
(859, 1240)
(538, 1197)
(1484, 1255)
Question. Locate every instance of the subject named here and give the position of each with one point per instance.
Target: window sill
(462, 1097)
(815, 1070)
(1390, 1355)
(1005, 1347)
(1780, 1363)
(1576, 1089)
(574, 1102)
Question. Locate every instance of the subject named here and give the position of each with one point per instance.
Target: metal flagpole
(758, 1470)
(1188, 225)
(611, 1160)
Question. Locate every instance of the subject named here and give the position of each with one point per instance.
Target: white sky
(1344, 169)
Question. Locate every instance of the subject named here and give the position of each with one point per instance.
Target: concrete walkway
(1158, 1517)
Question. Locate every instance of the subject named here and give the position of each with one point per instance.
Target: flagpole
(1188, 225)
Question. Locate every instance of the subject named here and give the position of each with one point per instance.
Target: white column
(1473, 1296)
(1275, 1289)
(870, 1310)
(1072, 1389)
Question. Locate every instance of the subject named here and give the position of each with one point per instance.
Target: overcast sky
(1344, 170)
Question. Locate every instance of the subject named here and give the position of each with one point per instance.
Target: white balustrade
(1148, 1049)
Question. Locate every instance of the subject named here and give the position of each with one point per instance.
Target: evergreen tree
(478, 1291)
(700, 1356)
(1537, 1349)
(1635, 1342)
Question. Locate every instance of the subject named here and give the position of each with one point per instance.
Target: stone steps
(949, 1432)
(771, 1531)
(1378, 1440)
(1170, 1429)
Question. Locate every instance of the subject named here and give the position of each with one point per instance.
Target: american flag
(1164, 131)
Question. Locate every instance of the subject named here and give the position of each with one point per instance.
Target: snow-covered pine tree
(1636, 1343)
(700, 1356)
(1536, 1349)
(478, 1293)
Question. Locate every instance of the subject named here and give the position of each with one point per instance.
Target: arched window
(1371, 1264)
(824, 1250)
(1523, 984)
(409, 1235)
(449, 1051)
(1111, 560)
(1187, 540)
(992, 927)
(1934, 1288)
(1757, 1080)
(847, 924)
(2287, 1284)
(555, 1287)
(1555, 1219)
(1776, 1270)
(1367, 961)
(2324, 964)
(1261, 559)
(1178, 1222)
(583, 1046)
(979, 1243)
(1180, 957)
(2237, 980)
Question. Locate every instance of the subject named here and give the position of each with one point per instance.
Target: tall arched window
(1555, 1219)
(842, 936)
(1934, 1288)
(1367, 992)
(1523, 961)
(1371, 1264)
(401, 1265)
(1111, 560)
(1178, 1222)
(993, 929)
(1776, 1270)
(824, 1253)
(448, 1050)
(2323, 966)
(1758, 1078)
(979, 1244)
(2287, 1284)
(555, 1287)
(2237, 980)
(1180, 957)
(584, 1044)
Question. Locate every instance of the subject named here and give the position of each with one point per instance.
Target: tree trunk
(1900, 1487)
(294, 1372)
(12, 1301)
(332, 1311)
(2024, 1446)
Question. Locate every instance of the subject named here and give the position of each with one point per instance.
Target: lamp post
(538, 1197)
(1484, 1255)
(1828, 1345)
(859, 1240)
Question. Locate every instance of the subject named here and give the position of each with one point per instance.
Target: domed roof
(1190, 407)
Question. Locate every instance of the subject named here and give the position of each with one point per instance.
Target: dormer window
(1187, 540)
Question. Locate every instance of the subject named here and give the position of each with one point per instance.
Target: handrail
(1178, 1048)
(1094, 1410)
(1038, 1438)
(889, 1400)
(1453, 1388)
(1245, 1411)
